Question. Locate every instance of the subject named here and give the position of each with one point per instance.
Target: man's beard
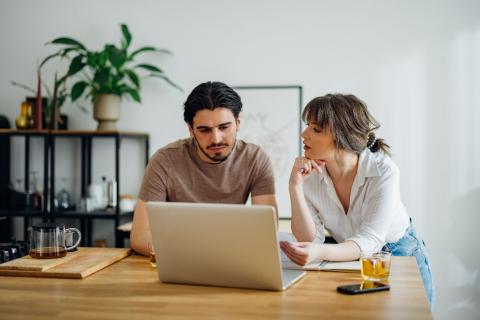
(215, 158)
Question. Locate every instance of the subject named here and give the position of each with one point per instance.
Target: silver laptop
(218, 245)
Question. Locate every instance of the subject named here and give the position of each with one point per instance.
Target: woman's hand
(301, 253)
(302, 168)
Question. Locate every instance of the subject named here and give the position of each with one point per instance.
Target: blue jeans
(411, 245)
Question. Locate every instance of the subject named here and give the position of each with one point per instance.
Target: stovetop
(13, 250)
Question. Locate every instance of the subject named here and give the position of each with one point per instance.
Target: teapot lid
(47, 226)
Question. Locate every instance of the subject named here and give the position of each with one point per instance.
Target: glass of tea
(47, 240)
(153, 261)
(375, 266)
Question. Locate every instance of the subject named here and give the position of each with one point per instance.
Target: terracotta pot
(106, 110)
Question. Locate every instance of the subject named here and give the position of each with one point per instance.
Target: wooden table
(130, 289)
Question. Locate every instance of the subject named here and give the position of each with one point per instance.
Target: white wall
(416, 64)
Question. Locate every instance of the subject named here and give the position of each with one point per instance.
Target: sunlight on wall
(460, 260)
(402, 97)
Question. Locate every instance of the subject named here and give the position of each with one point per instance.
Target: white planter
(106, 110)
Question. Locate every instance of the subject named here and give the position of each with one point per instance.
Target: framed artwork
(271, 118)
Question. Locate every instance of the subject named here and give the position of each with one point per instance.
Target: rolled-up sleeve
(379, 210)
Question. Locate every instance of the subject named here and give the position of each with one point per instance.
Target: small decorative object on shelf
(36, 194)
(112, 194)
(38, 125)
(63, 197)
(25, 119)
(48, 104)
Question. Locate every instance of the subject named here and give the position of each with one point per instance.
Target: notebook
(218, 245)
(349, 266)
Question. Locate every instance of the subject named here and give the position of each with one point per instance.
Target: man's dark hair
(211, 95)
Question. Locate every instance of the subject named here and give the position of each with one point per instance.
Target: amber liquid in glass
(153, 261)
(375, 269)
(48, 253)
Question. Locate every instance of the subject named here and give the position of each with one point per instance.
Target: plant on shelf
(108, 75)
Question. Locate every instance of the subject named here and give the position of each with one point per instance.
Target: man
(212, 166)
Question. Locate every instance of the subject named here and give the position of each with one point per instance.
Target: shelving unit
(48, 211)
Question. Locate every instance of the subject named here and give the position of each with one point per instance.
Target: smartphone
(363, 287)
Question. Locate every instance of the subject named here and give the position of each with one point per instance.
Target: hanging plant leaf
(76, 65)
(149, 67)
(146, 49)
(133, 76)
(78, 89)
(167, 80)
(135, 96)
(48, 58)
(68, 41)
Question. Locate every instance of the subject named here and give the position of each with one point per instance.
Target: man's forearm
(140, 236)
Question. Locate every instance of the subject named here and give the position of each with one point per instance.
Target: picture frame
(271, 118)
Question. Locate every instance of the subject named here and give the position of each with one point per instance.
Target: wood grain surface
(130, 289)
(28, 263)
(75, 265)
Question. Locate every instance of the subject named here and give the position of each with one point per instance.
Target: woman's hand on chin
(302, 168)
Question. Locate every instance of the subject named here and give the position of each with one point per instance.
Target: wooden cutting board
(75, 265)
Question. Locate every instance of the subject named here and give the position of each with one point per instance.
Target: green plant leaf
(68, 42)
(67, 50)
(76, 65)
(127, 36)
(47, 89)
(145, 49)
(149, 67)
(135, 95)
(134, 77)
(117, 57)
(102, 77)
(24, 86)
(61, 101)
(167, 80)
(78, 89)
(48, 58)
(116, 78)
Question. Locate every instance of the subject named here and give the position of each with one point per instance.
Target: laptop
(224, 245)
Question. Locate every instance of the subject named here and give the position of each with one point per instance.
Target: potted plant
(108, 75)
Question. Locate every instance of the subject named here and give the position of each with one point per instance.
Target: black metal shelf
(23, 213)
(101, 214)
(86, 137)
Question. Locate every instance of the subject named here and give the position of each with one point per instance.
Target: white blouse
(376, 214)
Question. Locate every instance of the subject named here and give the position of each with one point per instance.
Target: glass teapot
(48, 240)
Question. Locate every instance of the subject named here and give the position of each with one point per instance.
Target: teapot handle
(79, 238)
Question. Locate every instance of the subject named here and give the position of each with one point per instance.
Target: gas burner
(13, 250)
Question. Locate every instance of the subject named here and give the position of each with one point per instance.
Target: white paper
(321, 265)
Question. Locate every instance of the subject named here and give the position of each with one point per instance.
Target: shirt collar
(367, 167)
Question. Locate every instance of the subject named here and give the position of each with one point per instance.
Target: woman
(348, 184)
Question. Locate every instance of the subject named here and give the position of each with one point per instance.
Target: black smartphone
(363, 287)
